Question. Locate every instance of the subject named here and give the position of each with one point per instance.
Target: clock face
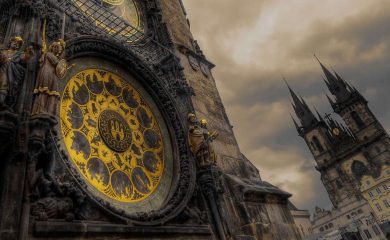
(336, 131)
(113, 136)
(104, 14)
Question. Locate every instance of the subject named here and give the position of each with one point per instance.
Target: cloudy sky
(255, 42)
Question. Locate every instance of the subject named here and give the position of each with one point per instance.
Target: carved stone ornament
(183, 185)
(193, 62)
(205, 69)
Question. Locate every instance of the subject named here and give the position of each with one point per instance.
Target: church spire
(302, 110)
(336, 85)
(295, 124)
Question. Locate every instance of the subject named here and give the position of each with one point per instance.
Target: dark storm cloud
(255, 42)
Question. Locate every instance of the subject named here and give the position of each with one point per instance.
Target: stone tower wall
(207, 101)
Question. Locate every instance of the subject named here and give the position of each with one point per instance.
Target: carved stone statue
(46, 89)
(53, 208)
(12, 70)
(200, 140)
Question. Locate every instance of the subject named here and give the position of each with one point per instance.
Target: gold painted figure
(12, 69)
(46, 88)
(201, 141)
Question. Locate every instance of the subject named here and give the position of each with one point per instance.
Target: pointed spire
(319, 115)
(335, 83)
(330, 100)
(301, 109)
(295, 123)
(331, 78)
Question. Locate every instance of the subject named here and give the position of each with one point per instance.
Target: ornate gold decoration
(61, 68)
(336, 131)
(114, 131)
(112, 135)
(128, 10)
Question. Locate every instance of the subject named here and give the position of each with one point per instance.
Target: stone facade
(376, 192)
(302, 220)
(346, 156)
(71, 173)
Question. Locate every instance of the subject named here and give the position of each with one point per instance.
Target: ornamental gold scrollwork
(112, 135)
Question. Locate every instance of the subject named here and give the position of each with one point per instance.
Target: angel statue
(12, 70)
(52, 68)
(200, 140)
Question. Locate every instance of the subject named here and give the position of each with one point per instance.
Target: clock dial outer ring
(184, 179)
(155, 200)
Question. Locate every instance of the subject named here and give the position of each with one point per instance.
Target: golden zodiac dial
(112, 135)
(127, 10)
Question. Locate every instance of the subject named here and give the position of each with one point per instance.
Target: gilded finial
(18, 39)
(203, 122)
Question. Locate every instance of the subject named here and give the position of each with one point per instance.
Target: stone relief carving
(12, 70)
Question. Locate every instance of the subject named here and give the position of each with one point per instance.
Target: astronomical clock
(99, 130)
(116, 138)
(106, 109)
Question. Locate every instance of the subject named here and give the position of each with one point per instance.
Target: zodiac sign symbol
(117, 130)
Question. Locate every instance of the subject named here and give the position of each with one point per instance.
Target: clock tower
(103, 130)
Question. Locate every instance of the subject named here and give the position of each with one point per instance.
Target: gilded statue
(52, 68)
(200, 140)
(12, 70)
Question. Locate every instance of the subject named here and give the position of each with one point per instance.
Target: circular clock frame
(184, 170)
(115, 136)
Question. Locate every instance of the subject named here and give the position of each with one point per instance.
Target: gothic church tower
(344, 153)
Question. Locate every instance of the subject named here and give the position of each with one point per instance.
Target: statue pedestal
(39, 127)
(208, 182)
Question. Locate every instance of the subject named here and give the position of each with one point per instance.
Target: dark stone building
(345, 154)
(99, 130)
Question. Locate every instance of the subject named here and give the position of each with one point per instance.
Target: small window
(313, 146)
(348, 217)
(370, 194)
(326, 227)
(318, 144)
(378, 207)
(387, 205)
(359, 122)
(368, 234)
(385, 187)
(368, 182)
(321, 229)
(360, 211)
(378, 191)
(376, 230)
(330, 225)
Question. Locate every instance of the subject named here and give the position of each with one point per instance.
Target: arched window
(359, 169)
(318, 144)
(359, 122)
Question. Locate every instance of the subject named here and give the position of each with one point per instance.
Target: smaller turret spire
(295, 123)
(302, 110)
(319, 115)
